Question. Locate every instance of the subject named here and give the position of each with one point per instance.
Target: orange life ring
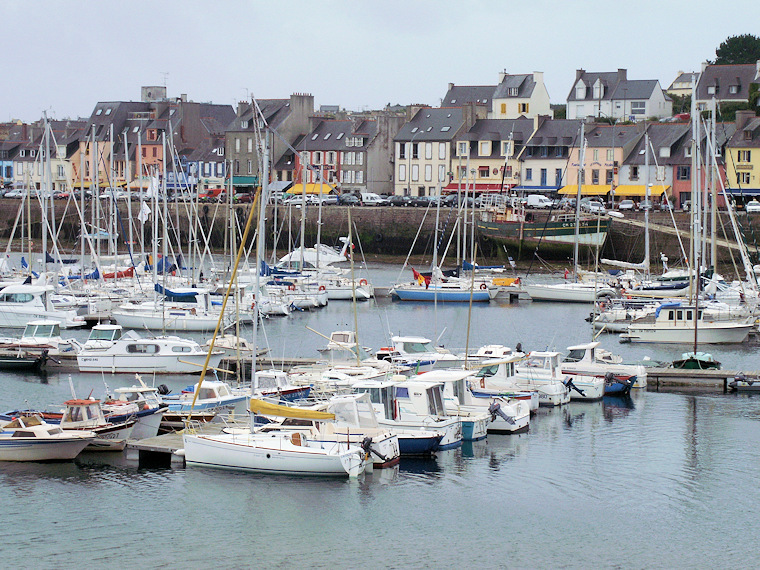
(291, 287)
(321, 287)
(483, 286)
(362, 282)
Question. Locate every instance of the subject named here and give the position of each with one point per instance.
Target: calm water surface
(666, 480)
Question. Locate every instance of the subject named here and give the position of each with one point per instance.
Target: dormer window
(747, 135)
(445, 129)
(243, 124)
(99, 112)
(512, 91)
(711, 89)
(664, 152)
(327, 136)
(687, 151)
(315, 136)
(340, 136)
(734, 89)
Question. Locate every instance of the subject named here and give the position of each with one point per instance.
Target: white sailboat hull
(568, 292)
(708, 333)
(272, 453)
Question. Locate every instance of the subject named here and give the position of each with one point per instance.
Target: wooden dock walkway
(707, 380)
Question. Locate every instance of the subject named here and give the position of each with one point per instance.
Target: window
(348, 158)
(428, 151)
(506, 148)
(340, 136)
(711, 90)
(331, 157)
(512, 91)
(559, 151)
(415, 172)
(660, 176)
(250, 167)
(428, 172)
(610, 154)
(664, 152)
(327, 136)
(462, 148)
(483, 172)
(734, 89)
(360, 177)
(579, 110)
(634, 172)
(243, 124)
(508, 172)
(503, 108)
(744, 156)
(687, 151)
(237, 167)
(237, 145)
(742, 177)
(558, 177)
(609, 176)
(638, 107)
(99, 111)
(544, 151)
(441, 151)
(415, 150)
(142, 348)
(441, 173)
(318, 157)
(528, 174)
(522, 108)
(683, 173)
(61, 171)
(484, 148)
(596, 155)
(595, 176)
(315, 136)
(182, 349)
(401, 150)
(445, 129)
(155, 152)
(108, 111)
(250, 144)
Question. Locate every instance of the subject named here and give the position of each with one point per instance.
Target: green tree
(738, 49)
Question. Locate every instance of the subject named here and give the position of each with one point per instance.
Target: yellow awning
(640, 190)
(267, 409)
(310, 189)
(586, 189)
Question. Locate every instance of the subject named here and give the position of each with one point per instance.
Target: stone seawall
(380, 230)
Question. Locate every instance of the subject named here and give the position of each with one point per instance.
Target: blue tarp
(467, 266)
(51, 259)
(267, 270)
(666, 306)
(184, 296)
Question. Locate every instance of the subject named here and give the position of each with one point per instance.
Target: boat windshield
(266, 382)
(487, 371)
(435, 401)
(417, 347)
(104, 334)
(576, 355)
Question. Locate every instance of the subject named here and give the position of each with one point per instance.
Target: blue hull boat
(410, 444)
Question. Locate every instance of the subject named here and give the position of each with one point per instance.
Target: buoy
(291, 287)
(483, 286)
(321, 287)
(362, 282)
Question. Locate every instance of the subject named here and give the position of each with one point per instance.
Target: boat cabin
(353, 410)
(501, 369)
(140, 395)
(418, 398)
(26, 295)
(82, 414)
(382, 396)
(103, 335)
(42, 331)
(30, 426)
(270, 381)
(210, 390)
(590, 353)
(545, 362)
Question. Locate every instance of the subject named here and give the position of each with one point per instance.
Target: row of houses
(481, 138)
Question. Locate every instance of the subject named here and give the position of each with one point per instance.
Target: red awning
(477, 187)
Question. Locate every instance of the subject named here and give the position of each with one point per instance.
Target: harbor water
(660, 479)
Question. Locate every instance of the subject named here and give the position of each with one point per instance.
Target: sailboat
(575, 291)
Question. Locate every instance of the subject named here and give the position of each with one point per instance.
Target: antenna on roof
(165, 74)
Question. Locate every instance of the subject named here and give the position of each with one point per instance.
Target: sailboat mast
(82, 230)
(581, 159)
(303, 207)
(129, 193)
(140, 186)
(713, 189)
(260, 251)
(647, 204)
(44, 193)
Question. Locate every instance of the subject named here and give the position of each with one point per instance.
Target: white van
(372, 199)
(538, 201)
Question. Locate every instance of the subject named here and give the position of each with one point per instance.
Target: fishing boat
(275, 384)
(543, 367)
(696, 361)
(110, 349)
(498, 377)
(212, 396)
(276, 451)
(141, 402)
(39, 336)
(417, 353)
(32, 439)
(88, 415)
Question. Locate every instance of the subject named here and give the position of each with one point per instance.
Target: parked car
(213, 195)
(566, 204)
(593, 206)
(397, 200)
(17, 193)
(419, 201)
(665, 206)
(244, 198)
(539, 201)
(626, 205)
(372, 199)
(686, 206)
(645, 205)
(752, 207)
(349, 200)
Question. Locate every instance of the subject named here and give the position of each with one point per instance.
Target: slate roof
(459, 95)
(118, 115)
(331, 135)
(616, 86)
(557, 132)
(671, 135)
(683, 77)
(611, 136)
(723, 77)
(275, 112)
(748, 136)
(432, 124)
(523, 83)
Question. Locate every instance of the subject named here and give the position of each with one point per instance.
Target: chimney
(742, 117)
(183, 97)
(451, 86)
(578, 74)
(502, 76)
(622, 74)
(538, 76)
(706, 63)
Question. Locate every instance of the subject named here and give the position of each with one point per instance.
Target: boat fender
(362, 282)
(291, 287)
(321, 287)
(483, 286)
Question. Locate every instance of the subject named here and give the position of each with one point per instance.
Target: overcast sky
(64, 57)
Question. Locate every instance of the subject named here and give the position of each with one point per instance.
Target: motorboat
(580, 292)
(22, 360)
(544, 368)
(674, 323)
(418, 353)
(88, 415)
(275, 451)
(212, 396)
(354, 422)
(139, 401)
(110, 349)
(275, 384)
(407, 405)
(22, 303)
(497, 414)
(41, 336)
(309, 255)
(591, 360)
(499, 377)
(32, 439)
